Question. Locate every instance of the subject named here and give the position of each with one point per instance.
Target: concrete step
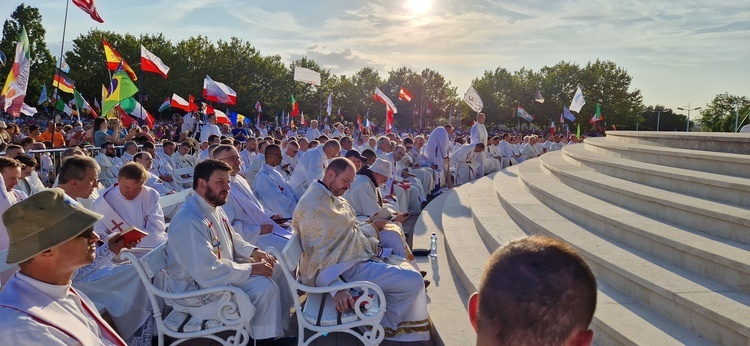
(722, 260)
(697, 160)
(446, 296)
(737, 143)
(716, 187)
(494, 225)
(619, 319)
(719, 219)
(712, 310)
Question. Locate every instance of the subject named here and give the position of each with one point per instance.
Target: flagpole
(62, 45)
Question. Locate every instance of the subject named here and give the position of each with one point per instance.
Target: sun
(418, 6)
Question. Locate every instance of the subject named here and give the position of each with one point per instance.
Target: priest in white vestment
(38, 306)
(467, 159)
(312, 164)
(109, 164)
(336, 248)
(272, 189)
(479, 135)
(312, 132)
(245, 213)
(248, 154)
(203, 250)
(437, 151)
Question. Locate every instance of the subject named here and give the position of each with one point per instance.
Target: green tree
(42, 62)
(724, 112)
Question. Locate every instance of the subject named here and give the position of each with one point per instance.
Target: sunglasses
(86, 234)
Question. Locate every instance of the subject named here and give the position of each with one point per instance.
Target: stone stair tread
(727, 142)
(699, 295)
(494, 225)
(711, 247)
(558, 164)
(447, 298)
(580, 153)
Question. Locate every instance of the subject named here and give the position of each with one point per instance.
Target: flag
(578, 101)
(97, 105)
(165, 105)
(235, 117)
(598, 115)
(258, 107)
(329, 107)
(178, 102)
(295, 107)
(562, 119)
(473, 100)
(18, 78)
(63, 82)
(302, 119)
(2, 58)
(62, 106)
(552, 128)
(428, 111)
(218, 92)
(114, 60)
(81, 103)
(404, 94)
(306, 75)
(567, 114)
(29, 111)
(368, 123)
(133, 107)
(524, 115)
(88, 7)
(43, 95)
(390, 108)
(538, 97)
(614, 128)
(340, 116)
(152, 63)
(221, 117)
(121, 87)
(359, 123)
(105, 92)
(578, 132)
(62, 65)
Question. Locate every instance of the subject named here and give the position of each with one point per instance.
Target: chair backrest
(292, 252)
(173, 199)
(184, 170)
(151, 263)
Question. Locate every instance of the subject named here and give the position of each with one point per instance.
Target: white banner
(306, 75)
(578, 101)
(473, 100)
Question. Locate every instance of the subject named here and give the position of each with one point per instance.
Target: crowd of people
(344, 190)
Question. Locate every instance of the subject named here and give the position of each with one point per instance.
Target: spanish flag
(114, 59)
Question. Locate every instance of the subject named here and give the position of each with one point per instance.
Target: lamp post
(688, 109)
(658, 118)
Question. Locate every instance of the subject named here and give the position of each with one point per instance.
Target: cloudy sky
(678, 52)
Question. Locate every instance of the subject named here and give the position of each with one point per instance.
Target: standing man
(37, 305)
(312, 132)
(203, 250)
(479, 135)
(210, 129)
(437, 151)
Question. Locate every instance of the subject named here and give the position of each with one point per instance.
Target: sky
(679, 53)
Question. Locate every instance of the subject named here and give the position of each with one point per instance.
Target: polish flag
(218, 92)
(152, 63)
(179, 102)
(221, 117)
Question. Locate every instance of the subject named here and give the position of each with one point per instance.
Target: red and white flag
(89, 7)
(404, 94)
(179, 102)
(152, 63)
(302, 121)
(218, 92)
(221, 117)
(390, 108)
(258, 107)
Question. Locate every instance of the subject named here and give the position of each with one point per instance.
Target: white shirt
(209, 129)
(143, 212)
(312, 134)
(437, 147)
(309, 169)
(274, 192)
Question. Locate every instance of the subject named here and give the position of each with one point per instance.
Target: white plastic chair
(325, 319)
(233, 310)
(179, 172)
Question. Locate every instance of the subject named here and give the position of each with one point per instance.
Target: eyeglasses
(86, 234)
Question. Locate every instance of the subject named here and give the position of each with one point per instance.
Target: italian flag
(295, 107)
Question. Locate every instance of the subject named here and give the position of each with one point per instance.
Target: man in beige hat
(51, 236)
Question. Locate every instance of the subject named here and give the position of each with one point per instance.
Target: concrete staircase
(666, 231)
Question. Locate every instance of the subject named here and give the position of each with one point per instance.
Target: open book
(132, 235)
(382, 214)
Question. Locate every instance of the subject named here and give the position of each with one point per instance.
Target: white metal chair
(179, 172)
(233, 310)
(319, 313)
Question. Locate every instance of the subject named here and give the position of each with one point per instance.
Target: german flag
(63, 82)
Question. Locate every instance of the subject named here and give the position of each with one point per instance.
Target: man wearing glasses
(51, 236)
(109, 164)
